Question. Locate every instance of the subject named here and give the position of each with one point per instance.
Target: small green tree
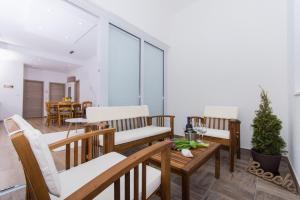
(266, 126)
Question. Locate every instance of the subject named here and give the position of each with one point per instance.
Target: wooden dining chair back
(52, 112)
(64, 112)
(85, 105)
(223, 127)
(77, 110)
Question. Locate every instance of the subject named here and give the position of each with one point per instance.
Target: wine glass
(203, 130)
(198, 130)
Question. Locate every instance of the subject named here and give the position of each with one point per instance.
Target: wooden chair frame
(61, 115)
(50, 115)
(160, 121)
(36, 185)
(77, 110)
(85, 105)
(233, 143)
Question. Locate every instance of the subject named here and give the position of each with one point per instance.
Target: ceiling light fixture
(71, 52)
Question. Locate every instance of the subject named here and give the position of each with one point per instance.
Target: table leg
(185, 187)
(69, 129)
(217, 164)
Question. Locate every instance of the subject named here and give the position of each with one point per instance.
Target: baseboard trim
(292, 172)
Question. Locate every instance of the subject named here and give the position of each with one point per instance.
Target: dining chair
(85, 105)
(52, 113)
(77, 110)
(64, 112)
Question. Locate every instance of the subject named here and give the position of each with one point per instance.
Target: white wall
(151, 16)
(89, 76)
(11, 99)
(294, 72)
(46, 76)
(221, 51)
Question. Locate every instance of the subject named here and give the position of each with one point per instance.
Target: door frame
(43, 100)
(77, 82)
(55, 83)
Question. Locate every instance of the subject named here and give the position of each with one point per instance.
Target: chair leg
(59, 121)
(231, 158)
(238, 148)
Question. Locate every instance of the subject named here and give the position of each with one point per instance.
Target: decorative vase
(269, 163)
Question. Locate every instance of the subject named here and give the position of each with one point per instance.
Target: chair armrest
(82, 136)
(113, 174)
(234, 121)
(234, 126)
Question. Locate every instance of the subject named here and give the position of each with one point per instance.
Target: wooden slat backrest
(128, 124)
(33, 174)
(89, 148)
(210, 122)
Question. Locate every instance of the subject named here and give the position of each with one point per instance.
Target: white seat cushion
(57, 136)
(136, 134)
(225, 134)
(73, 179)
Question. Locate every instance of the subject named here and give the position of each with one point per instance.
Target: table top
(181, 164)
(76, 120)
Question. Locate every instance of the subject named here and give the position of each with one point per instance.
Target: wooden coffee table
(185, 167)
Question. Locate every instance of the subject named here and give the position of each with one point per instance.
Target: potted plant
(266, 141)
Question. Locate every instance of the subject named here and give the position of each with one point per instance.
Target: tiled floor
(239, 185)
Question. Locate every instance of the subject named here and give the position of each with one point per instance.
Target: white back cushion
(226, 112)
(42, 154)
(99, 114)
(23, 124)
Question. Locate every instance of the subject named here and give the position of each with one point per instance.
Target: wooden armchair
(100, 178)
(223, 127)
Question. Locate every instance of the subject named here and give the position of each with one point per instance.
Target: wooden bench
(133, 125)
(111, 176)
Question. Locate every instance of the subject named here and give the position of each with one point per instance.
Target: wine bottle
(189, 126)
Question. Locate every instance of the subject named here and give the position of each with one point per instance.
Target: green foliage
(185, 144)
(266, 126)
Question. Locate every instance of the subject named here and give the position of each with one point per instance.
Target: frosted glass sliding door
(124, 68)
(153, 79)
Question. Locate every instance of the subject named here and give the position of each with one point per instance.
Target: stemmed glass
(203, 130)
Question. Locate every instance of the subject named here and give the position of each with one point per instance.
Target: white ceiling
(51, 27)
(37, 61)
